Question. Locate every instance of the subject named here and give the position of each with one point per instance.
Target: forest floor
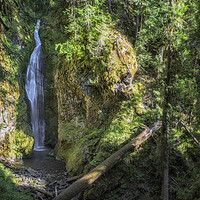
(39, 183)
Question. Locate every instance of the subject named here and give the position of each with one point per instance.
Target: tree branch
(123, 57)
(194, 139)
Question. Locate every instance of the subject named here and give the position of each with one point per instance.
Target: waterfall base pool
(43, 160)
(41, 176)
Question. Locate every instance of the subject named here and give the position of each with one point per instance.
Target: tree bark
(110, 6)
(164, 134)
(165, 188)
(81, 184)
(137, 24)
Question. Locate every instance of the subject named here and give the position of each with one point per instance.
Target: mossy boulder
(87, 96)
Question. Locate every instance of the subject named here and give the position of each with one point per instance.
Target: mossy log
(81, 184)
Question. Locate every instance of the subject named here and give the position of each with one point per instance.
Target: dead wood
(74, 178)
(41, 191)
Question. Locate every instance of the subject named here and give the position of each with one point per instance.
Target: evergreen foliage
(85, 47)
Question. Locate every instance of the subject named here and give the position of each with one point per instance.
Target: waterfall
(35, 91)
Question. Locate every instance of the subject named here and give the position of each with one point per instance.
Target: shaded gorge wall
(16, 44)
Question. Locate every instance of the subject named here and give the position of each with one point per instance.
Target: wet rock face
(15, 138)
(75, 105)
(51, 116)
(5, 125)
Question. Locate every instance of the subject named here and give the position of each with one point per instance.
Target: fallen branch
(41, 191)
(123, 57)
(74, 178)
(56, 191)
(81, 184)
(194, 139)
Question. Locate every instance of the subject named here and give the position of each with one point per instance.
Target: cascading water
(35, 91)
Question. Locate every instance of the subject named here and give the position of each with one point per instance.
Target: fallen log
(36, 190)
(81, 184)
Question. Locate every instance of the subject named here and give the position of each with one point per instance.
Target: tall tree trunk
(137, 24)
(165, 125)
(110, 6)
(165, 185)
(164, 130)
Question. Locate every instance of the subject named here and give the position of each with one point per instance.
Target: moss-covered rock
(87, 100)
(15, 133)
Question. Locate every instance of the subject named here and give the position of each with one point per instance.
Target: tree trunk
(110, 6)
(81, 184)
(165, 188)
(137, 24)
(164, 134)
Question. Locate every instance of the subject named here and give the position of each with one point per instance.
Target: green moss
(123, 126)
(17, 144)
(69, 146)
(16, 140)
